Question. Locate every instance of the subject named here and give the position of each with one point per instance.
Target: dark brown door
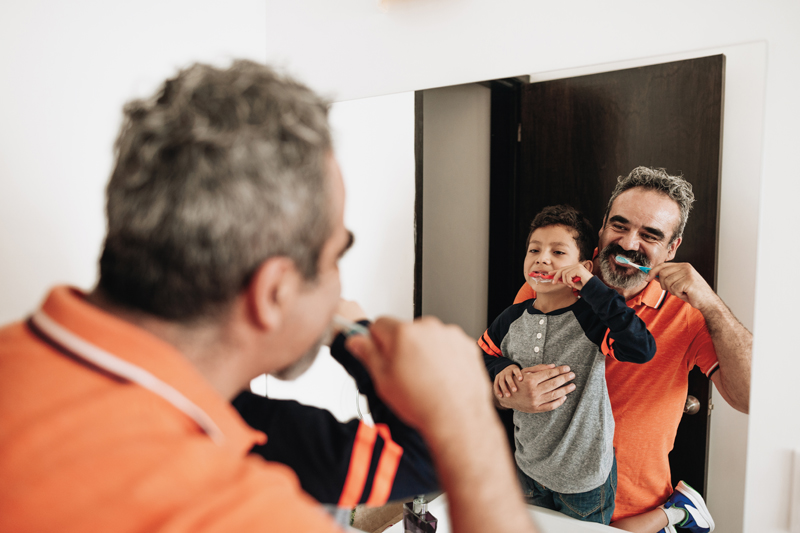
(567, 140)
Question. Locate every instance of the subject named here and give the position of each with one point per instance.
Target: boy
(565, 457)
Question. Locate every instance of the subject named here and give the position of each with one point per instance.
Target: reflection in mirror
(459, 175)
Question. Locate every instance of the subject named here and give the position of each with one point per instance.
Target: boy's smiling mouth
(541, 276)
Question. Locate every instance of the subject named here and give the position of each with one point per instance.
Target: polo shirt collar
(69, 310)
(652, 296)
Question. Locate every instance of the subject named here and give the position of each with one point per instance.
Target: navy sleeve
(308, 440)
(415, 474)
(490, 341)
(628, 338)
(323, 451)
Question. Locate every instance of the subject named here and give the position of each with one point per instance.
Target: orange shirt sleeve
(525, 293)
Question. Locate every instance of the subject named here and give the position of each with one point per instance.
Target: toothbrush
(549, 278)
(349, 327)
(626, 261)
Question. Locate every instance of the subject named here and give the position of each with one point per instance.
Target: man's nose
(629, 241)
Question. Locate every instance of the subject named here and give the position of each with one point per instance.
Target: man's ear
(673, 248)
(274, 285)
(588, 264)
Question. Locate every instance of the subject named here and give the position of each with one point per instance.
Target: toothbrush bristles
(349, 327)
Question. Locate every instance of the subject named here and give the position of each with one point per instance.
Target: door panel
(572, 138)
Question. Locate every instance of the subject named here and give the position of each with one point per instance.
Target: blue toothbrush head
(625, 261)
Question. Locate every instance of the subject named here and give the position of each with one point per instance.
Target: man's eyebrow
(350, 240)
(653, 231)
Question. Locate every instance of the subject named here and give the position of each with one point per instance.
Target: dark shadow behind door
(567, 140)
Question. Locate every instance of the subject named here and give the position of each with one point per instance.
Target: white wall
(455, 227)
(66, 68)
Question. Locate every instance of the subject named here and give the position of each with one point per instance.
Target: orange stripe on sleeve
(358, 471)
(486, 344)
(606, 347)
(387, 469)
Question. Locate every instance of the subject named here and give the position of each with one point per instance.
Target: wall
(455, 196)
(67, 69)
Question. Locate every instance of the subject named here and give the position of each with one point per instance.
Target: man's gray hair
(218, 171)
(657, 179)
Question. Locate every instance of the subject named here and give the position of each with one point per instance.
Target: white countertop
(546, 521)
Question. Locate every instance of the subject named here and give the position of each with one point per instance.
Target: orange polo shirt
(648, 400)
(82, 449)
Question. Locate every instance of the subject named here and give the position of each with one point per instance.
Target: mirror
(456, 189)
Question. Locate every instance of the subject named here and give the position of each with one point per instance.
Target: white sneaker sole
(700, 512)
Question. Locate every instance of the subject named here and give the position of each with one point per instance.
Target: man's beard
(299, 367)
(622, 278)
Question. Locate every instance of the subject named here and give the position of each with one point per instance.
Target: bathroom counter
(547, 521)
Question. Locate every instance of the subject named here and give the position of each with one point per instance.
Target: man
(644, 223)
(225, 224)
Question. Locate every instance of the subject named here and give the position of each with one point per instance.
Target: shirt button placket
(538, 342)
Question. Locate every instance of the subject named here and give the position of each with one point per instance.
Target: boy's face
(549, 249)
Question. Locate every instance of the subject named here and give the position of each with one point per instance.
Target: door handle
(692, 405)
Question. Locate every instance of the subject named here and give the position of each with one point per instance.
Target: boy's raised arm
(628, 338)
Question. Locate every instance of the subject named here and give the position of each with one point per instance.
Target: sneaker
(698, 519)
(669, 529)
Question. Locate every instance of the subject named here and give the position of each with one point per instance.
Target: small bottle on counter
(417, 518)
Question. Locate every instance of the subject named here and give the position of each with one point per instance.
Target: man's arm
(338, 463)
(432, 376)
(732, 341)
(543, 388)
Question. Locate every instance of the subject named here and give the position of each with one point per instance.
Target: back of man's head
(218, 171)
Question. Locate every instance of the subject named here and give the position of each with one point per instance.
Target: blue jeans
(596, 505)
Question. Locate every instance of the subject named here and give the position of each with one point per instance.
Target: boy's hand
(576, 276)
(504, 381)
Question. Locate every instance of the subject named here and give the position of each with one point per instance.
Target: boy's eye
(533, 251)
